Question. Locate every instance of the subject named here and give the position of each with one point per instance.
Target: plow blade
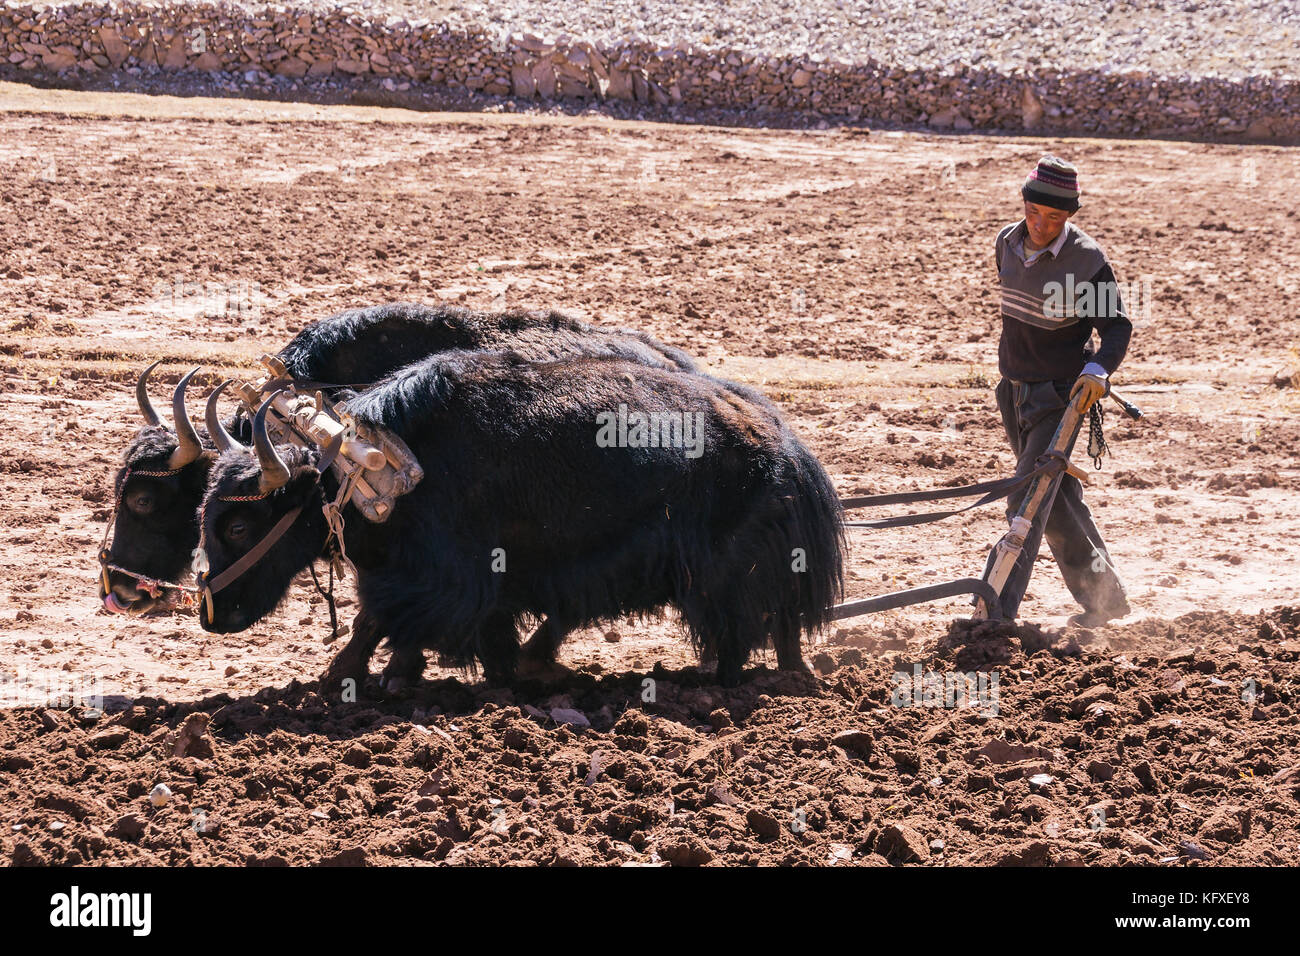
(931, 592)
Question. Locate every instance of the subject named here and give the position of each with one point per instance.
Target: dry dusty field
(850, 276)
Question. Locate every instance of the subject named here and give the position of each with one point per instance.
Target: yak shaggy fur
(745, 541)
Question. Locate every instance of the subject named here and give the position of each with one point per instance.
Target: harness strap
(999, 489)
(189, 595)
(329, 600)
(254, 554)
(153, 586)
(259, 550)
(333, 511)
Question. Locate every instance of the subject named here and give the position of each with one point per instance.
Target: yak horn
(217, 431)
(142, 397)
(275, 473)
(188, 448)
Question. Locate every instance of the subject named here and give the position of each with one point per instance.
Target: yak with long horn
(706, 525)
(216, 430)
(188, 447)
(153, 528)
(275, 473)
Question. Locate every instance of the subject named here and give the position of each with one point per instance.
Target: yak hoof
(729, 674)
(796, 666)
(548, 672)
(344, 667)
(404, 670)
(394, 684)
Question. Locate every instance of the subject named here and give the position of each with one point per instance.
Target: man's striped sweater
(1052, 303)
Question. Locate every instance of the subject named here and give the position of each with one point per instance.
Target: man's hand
(1094, 388)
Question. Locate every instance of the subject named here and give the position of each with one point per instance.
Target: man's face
(1044, 223)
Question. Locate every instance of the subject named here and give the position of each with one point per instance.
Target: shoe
(1100, 618)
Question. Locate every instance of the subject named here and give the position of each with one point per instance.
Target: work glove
(1094, 388)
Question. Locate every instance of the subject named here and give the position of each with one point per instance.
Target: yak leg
(708, 654)
(732, 658)
(731, 665)
(720, 631)
(730, 648)
(789, 650)
(537, 656)
(498, 648)
(404, 669)
(352, 662)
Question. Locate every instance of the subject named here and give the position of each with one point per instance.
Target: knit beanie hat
(1055, 183)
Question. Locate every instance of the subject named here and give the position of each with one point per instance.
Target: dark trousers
(1031, 412)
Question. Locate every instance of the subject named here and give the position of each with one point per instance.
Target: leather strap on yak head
(274, 474)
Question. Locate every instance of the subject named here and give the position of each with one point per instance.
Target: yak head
(249, 492)
(157, 493)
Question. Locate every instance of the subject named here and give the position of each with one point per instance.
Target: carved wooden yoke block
(378, 465)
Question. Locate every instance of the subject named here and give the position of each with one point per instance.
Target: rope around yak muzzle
(151, 586)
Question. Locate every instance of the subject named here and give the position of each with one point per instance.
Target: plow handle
(1039, 494)
(1131, 410)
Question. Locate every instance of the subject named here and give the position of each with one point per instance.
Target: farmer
(1057, 288)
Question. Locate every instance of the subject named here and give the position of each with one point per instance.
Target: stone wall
(296, 43)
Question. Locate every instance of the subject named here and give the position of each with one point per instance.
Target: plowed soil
(848, 274)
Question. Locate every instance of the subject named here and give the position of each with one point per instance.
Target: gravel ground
(1246, 37)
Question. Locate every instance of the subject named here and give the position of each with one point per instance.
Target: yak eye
(141, 502)
(237, 531)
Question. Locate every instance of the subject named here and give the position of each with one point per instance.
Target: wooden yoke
(378, 468)
(308, 416)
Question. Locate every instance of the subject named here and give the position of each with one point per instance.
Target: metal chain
(1097, 446)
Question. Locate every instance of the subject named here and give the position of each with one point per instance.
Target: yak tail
(815, 552)
(780, 573)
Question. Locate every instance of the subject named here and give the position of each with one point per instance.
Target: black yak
(361, 346)
(156, 495)
(543, 497)
(155, 528)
